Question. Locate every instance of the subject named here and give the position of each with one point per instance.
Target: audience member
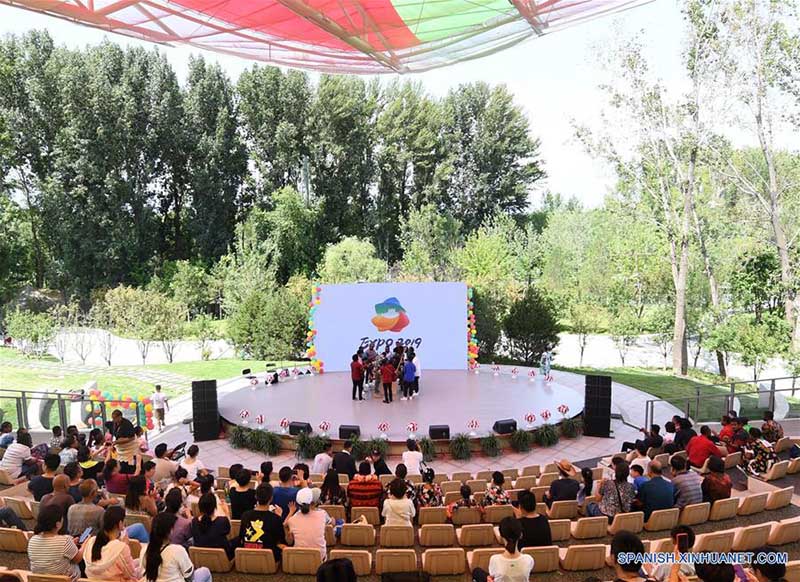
(726, 431)
(565, 488)
(401, 472)
(412, 457)
(137, 500)
(511, 565)
(652, 439)
(69, 450)
(187, 488)
(323, 460)
(739, 437)
(723, 572)
(627, 570)
(75, 473)
(9, 518)
(306, 527)
(6, 434)
(661, 572)
(687, 483)
(262, 527)
(398, 509)
(495, 493)
(182, 530)
(683, 434)
(193, 465)
(167, 562)
(758, 454)
(85, 513)
(535, 526)
(17, 460)
(379, 466)
(332, 493)
(638, 477)
(60, 497)
(429, 494)
(701, 447)
(616, 495)
(771, 429)
(49, 552)
(365, 490)
(209, 531)
(242, 496)
(165, 467)
(639, 457)
(265, 472)
(716, 484)
(343, 461)
(115, 480)
(91, 468)
(55, 440)
(467, 500)
(301, 474)
(285, 492)
(657, 493)
(107, 555)
(337, 570)
(763, 568)
(585, 486)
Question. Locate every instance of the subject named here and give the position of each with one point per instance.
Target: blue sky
(554, 78)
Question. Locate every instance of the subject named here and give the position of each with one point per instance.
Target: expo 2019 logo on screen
(390, 316)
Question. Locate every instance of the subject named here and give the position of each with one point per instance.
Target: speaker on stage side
(205, 410)
(439, 431)
(597, 406)
(347, 431)
(506, 426)
(295, 428)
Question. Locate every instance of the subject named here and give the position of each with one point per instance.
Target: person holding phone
(108, 555)
(682, 542)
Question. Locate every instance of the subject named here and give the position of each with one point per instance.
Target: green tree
(428, 239)
(190, 287)
(32, 332)
(203, 330)
(352, 260)
(167, 324)
(292, 229)
(489, 311)
(487, 257)
(759, 341)
(625, 329)
(584, 320)
(660, 324)
(531, 326)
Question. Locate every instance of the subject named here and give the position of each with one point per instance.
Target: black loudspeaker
(205, 411)
(246, 372)
(347, 431)
(506, 426)
(439, 431)
(295, 428)
(597, 406)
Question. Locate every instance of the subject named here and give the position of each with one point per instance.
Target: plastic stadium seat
(371, 513)
(135, 546)
(414, 479)
(550, 468)
(479, 558)
(702, 470)
(440, 478)
(583, 557)
(391, 561)
(444, 562)
(783, 444)
(462, 476)
(662, 545)
(794, 466)
(330, 536)
(784, 532)
(358, 534)
(255, 561)
(344, 479)
(496, 513)
(484, 475)
(13, 540)
(779, 498)
(695, 514)
(632, 521)
(792, 571)
(386, 479)
(653, 451)
(724, 509)
(34, 505)
(318, 478)
(597, 473)
(546, 478)
(215, 559)
(224, 472)
(513, 494)
(481, 534)
(476, 485)
(720, 541)
(539, 492)
(437, 535)
(563, 510)
(451, 497)
(525, 482)
(466, 515)
(751, 537)
(236, 526)
(753, 503)
(510, 473)
(132, 518)
(429, 515)
(47, 578)
(776, 471)
(300, 561)
(362, 560)
(19, 506)
(545, 558)
(17, 577)
(449, 486)
(335, 511)
(397, 536)
(532, 470)
(732, 460)
(662, 458)
(589, 527)
(560, 529)
(662, 519)
(5, 478)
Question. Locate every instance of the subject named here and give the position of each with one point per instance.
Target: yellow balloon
(88, 408)
(148, 407)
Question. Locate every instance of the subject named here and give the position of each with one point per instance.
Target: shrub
(570, 427)
(490, 445)
(428, 449)
(309, 446)
(376, 444)
(238, 437)
(360, 448)
(460, 447)
(261, 441)
(521, 440)
(546, 435)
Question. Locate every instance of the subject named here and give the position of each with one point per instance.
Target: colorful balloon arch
(141, 405)
(355, 36)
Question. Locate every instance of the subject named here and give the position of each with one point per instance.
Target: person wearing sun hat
(306, 524)
(565, 488)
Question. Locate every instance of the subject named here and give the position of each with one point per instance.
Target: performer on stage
(357, 375)
(388, 375)
(544, 364)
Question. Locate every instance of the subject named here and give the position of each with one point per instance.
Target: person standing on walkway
(160, 404)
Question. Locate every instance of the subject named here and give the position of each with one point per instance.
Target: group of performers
(401, 365)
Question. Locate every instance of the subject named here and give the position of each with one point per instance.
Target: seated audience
(495, 493)
(60, 497)
(762, 568)
(75, 473)
(182, 530)
(771, 429)
(343, 461)
(85, 513)
(242, 497)
(716, 484)
(180, 481)
(306, 524)
(69, 450)
(586, 485)
(265, 472)
(565, 488)
(656, 493)
(626, 542)
(683, 434)
(323, 460)
(107, 555)
(17, 460)
(49, 552)
(511, 565)
(379, 466)
(713, 572)
(137, 500)
(165, 467)
(726, 431)
(6, 434)
(669, 429)
(398, 509)
(758, 454)
(337, 570)
(209, 531)
(535, 526)
(638, 477)
(739, 436)
(687, 483)
(262, 527)
(301, 474)
(616, 495)
(115, 480)
(9, 518)
(401, 472)
(701, 447)
(467, 499)
(167, 562)
(193, 465)
(412, 458)
(332, 493)
(639, 457)
(661, 572)
(365, 490)
(55, 440)
(285, 493)
(90, 467)
(651, 439)
(429, 494)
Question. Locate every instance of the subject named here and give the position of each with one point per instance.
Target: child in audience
(495, 493)
(466, 500)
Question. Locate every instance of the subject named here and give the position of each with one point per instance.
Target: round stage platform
(446, 397)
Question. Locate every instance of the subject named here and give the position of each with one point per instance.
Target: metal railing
(710, 401)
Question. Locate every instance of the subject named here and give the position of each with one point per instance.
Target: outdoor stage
(446, 397)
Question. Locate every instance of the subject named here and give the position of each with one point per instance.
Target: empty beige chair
(13, 540)
(724, 509)
(215, 559)
(135, 547)
(545, 558)
(344, 479)
(632, 521)
(224, 472)
(550, 468)
(48, 578)
(440, 478)
(330, 536)
(563, 510)
(510, 473)
(34, 505)
(236, 526)
(525, 482)
(5, 478)
(784, 532)
(358, 534)
(702, 470)
(653, 451)
(300, 561)
(255, 561)
(597, 473)
(720, 541)
(466, 515)
(434, 535)
(414, 479)
(539, 492)
(462, 476)
(662, 519)
(779, 498)
(397, 536)
(662, 545)
(444, 561)
(371, 513)
(792, 571)
(583, 557)
(589, 527)
(386, 479)
(695, 513)
(484, 475)
(476, 485)
(318, 478)
(449, 486)
(335, 511)
(662, 458)
(546, 478)
(479, 558)
(776, 471)
(794, 466)
(429, 515)
(362, 560)
(532, 470)
(496, 513)
(732, 459)
(560, 529)
(481, 534)
(19, 506)
(391, 561)
(513, 494)
(783, 444)
(753, 503)
(451, 497)
(751, 537)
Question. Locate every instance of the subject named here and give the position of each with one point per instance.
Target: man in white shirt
(412, 458)
(417, 374)
(323, 461)
(160, 403)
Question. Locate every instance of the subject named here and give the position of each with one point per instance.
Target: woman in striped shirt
(49, 552)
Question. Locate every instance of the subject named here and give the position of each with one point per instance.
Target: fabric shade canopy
(353, 36)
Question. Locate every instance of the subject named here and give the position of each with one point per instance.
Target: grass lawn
(222, 369)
